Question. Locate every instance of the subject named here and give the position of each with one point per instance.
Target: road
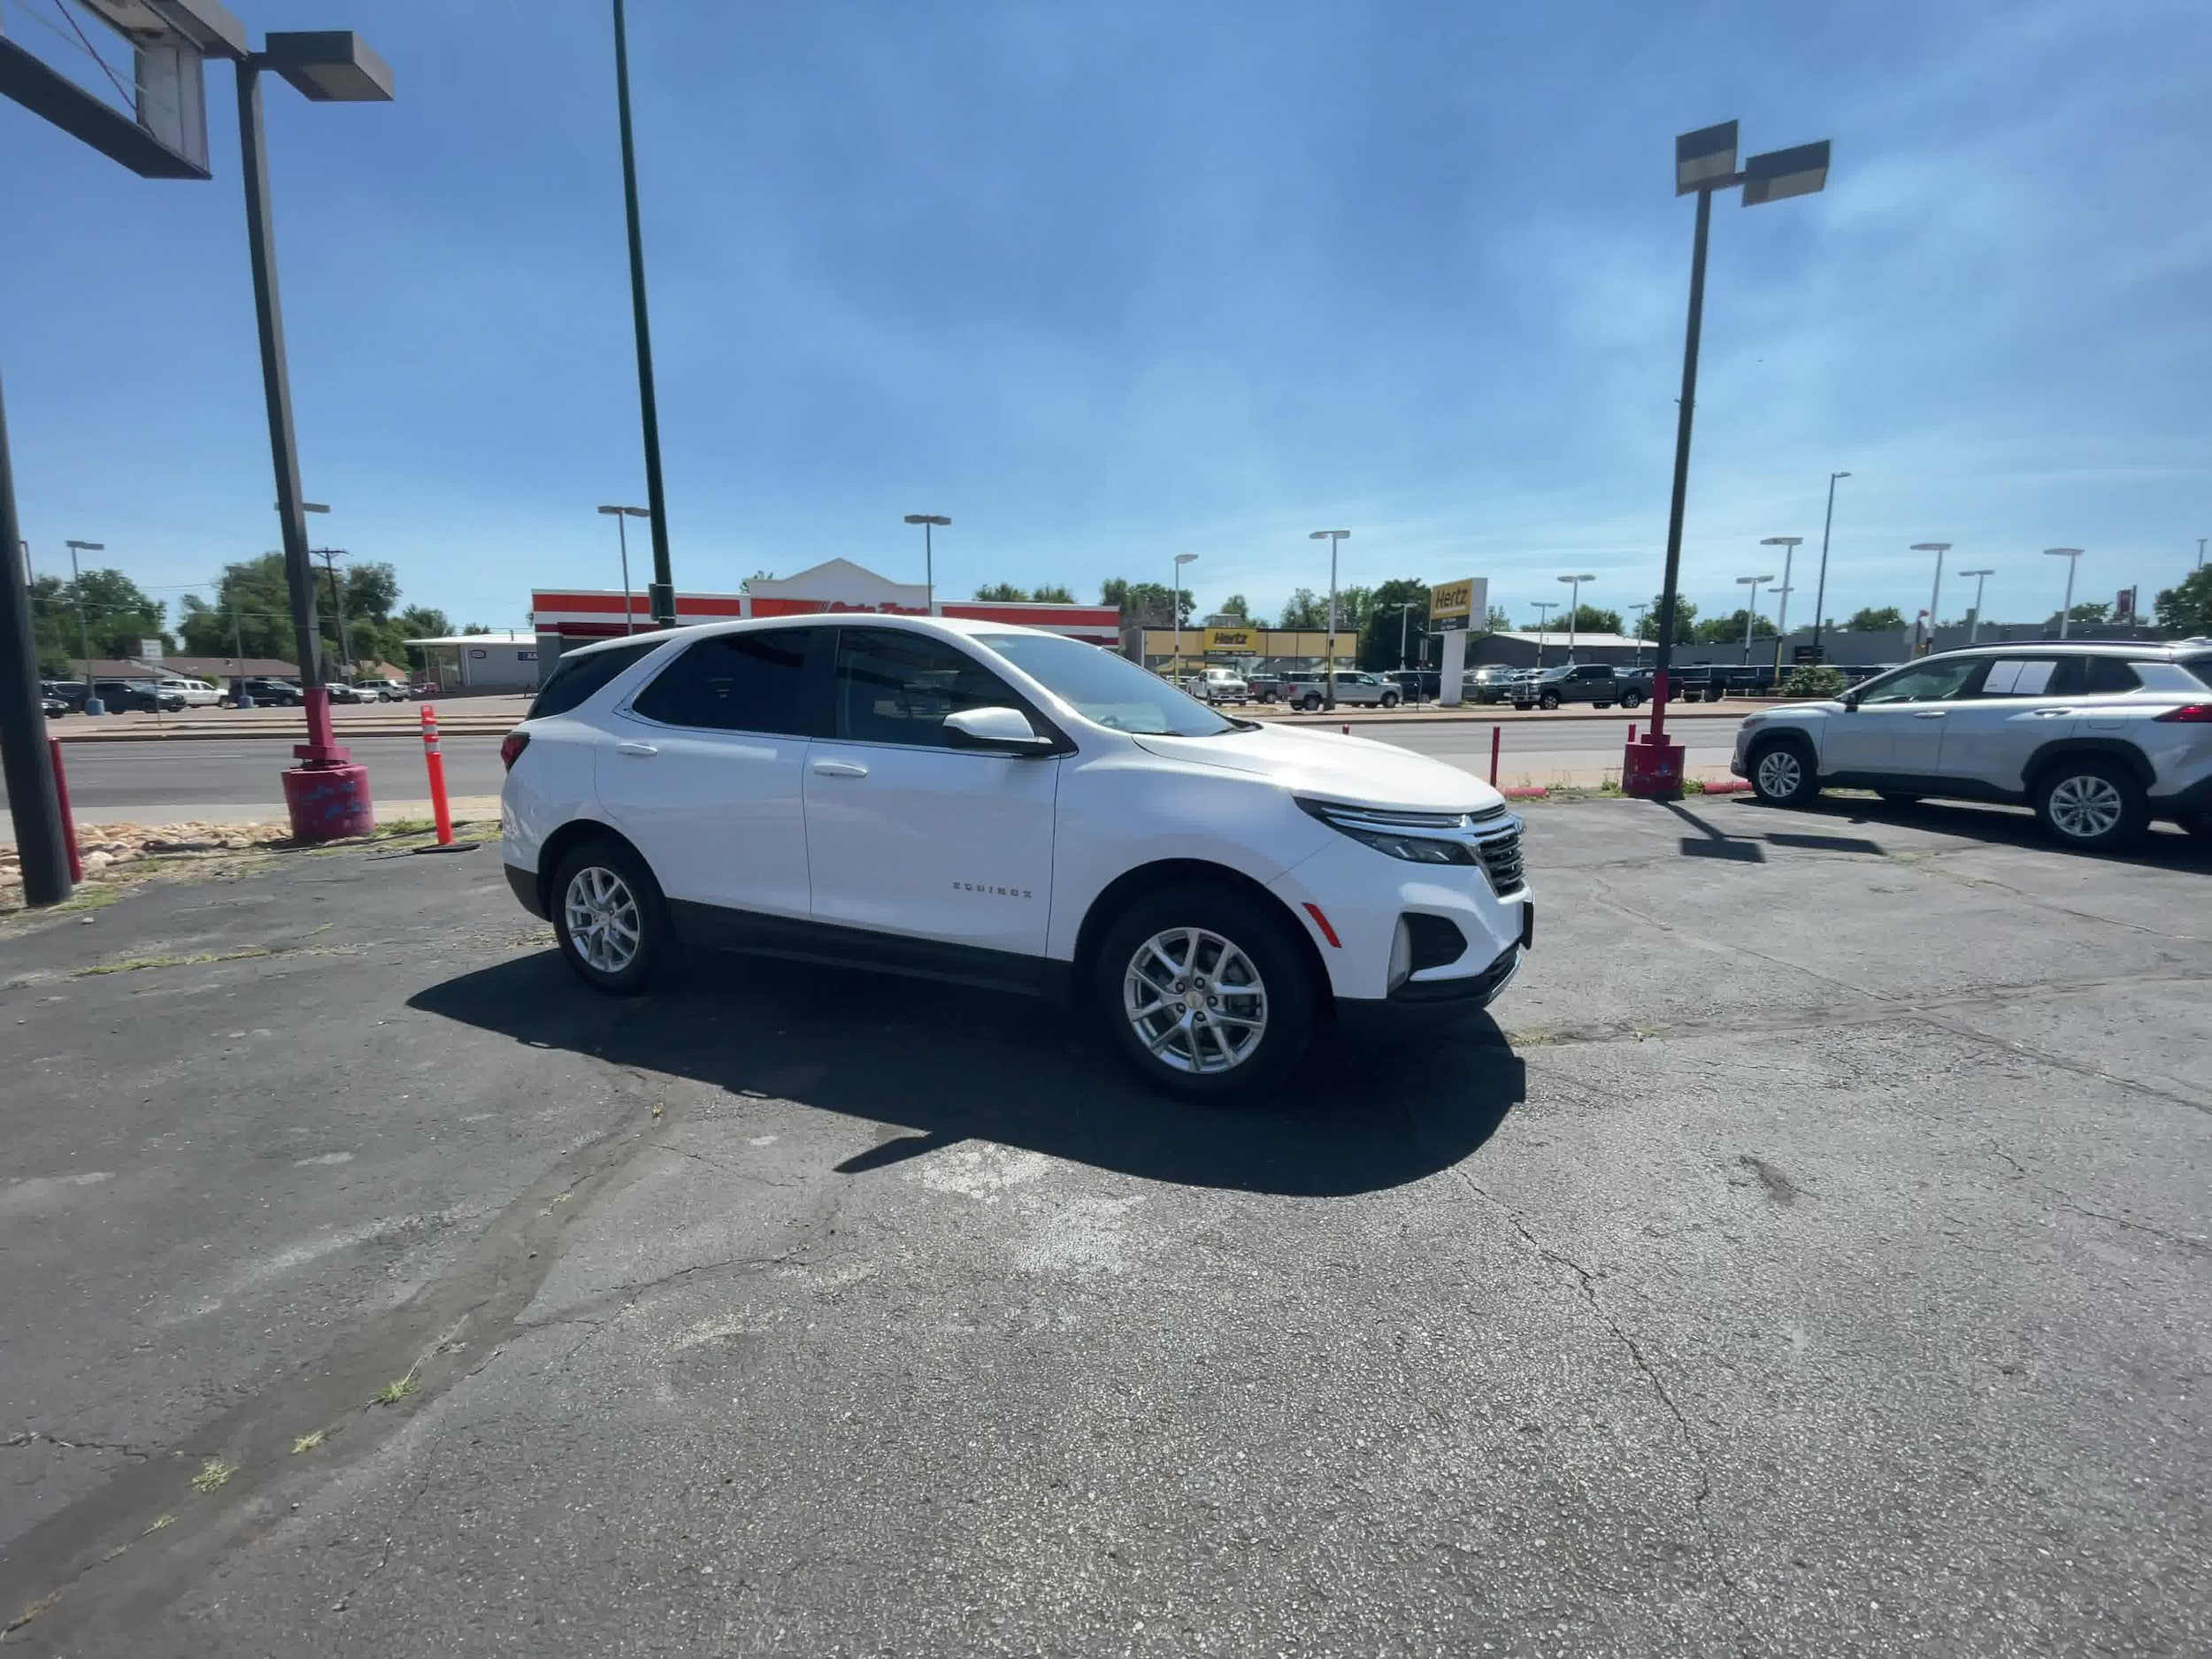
(162, 781)
(1810, 1259)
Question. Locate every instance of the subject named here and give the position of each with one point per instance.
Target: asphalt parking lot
(1811, 1258)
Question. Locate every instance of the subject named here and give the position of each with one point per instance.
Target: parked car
(197, 694)
(1217, 685)
(1595, 683)
(68, 692)
(1012, 808)
(137, 696)
(2099, 738)
(1307, 688)
(52, 707)
(1417, 685)
(279, 694)
(1490, 683)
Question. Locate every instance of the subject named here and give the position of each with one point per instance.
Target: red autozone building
(565, 617)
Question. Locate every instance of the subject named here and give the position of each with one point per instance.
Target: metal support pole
(622, 538)
(1782, 611)
(28, 761)
(84, 634)
(1820, 589)
(1664, 657)
(929, 573)
(337, 605)
(661, 593)
(240, 698)
(1175, 617)
(1328, 665)
(299, 571)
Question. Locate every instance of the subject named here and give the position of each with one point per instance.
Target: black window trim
(814, 697)
(615, 647)
(1039, 720)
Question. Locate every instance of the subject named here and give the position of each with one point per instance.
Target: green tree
(118, 614)
(1495, 620)
(1386, 624)
(1685, 620)
(1590, 619)
(1728, 630)
(2090, 614)
(1814, 680)
(1143, 604)
(1001, 591)
(1354, 606)
(475, 627)
(1305, 609)
(254, 591)
(1052, 593)
(1870, 620)
(2185, 609)
(1234, 605)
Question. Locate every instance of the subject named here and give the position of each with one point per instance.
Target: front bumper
(1424, 1005)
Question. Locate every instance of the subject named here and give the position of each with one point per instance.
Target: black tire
(2199, 825)
(1289, 995)
(1605, 705)
(655, 946)
(1547, 699)
(2091, 803)
(1630, 699)
(1309, 702)
(1390, 699)
(1782, 772)
(1523, 707)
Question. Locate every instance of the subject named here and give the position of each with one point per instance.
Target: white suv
(2099, 738)
(1008, 807)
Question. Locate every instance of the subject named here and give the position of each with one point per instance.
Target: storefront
(1243, 648)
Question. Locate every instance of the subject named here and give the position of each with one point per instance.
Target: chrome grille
(1501, 855)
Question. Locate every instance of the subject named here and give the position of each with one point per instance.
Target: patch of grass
(160, 1521)
(307, 1442)
(132, 964)
(31, 1610)
(392, 1392)
(212, 1474)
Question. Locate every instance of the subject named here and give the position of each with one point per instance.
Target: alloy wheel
(1780, 773)
(1195, 1000)
(603, 920)
(2087, 807)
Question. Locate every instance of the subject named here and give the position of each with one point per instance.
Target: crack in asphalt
(39, 1437)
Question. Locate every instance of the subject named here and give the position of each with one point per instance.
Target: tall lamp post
(621, 516)
(1789, 545)
(1405, 616)
(661, 592)
(92, 704)
(1574, 607)
(1935, 592)
(2072, 556)
(1543, 608)
(1974, 618)
(328, 795)
(1641, 612)
(1704, 162)
(1328, 665)
(1820, 589)
(930, 522)
(1175, 614)
(1751, 607)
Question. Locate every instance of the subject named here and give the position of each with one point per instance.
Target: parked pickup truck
(1598, 683)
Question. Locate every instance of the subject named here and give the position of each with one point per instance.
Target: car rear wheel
(1390, 699)
(609, 917)
(1783, 774)
(1207, 992)
(2091, 803)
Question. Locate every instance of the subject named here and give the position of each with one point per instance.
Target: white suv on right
(2099, 738)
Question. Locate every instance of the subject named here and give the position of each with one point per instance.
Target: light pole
(2200, 541)
(1543, 608)
(1704, 162)
(92, 704)
(2072, 556)
(326, 796)
(1820, 589)
(1641, 612)
(1974, 624)
(1751, 607)
(929, 521)
(1574, 607)
(1789, 545)
(1935, 592)
(1405, 615)
(1175, 611)
(621, 516)
(661, 593)
(1328, 666)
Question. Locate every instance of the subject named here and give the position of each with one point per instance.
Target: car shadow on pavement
(952, 1064)
(2164, 846)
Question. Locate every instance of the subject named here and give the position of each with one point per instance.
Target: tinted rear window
(575, 678)
(735, 682)
(2201, 667)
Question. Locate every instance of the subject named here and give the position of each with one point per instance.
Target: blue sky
(1108, 282)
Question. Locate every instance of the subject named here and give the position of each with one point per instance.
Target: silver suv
(2099, 738)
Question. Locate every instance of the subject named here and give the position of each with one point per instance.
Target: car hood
(1329, 766)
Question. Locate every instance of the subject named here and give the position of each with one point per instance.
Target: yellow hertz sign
(1230, 640)
(1452, 604)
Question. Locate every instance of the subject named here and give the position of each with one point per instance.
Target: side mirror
(997, 731)
(1850, 700)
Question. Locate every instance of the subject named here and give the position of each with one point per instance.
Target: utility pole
(92, 703)
(661, 593)
(240, 697)
(338, 604)
(24, 753)
(1820, 589)
(1328, 666)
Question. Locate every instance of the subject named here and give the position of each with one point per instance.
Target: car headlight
(1420, 838)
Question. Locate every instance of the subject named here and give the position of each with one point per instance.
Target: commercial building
(500, 661)
(1241, 648)
(563, 617)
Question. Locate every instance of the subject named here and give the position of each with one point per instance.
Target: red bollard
(1497, 736)
(435, 760)
(68, 820)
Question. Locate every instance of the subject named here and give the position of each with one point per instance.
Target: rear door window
(574, 679)
(2025, 677)
(752, 681)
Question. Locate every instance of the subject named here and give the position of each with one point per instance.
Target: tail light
(2188, 714)
(510, 747)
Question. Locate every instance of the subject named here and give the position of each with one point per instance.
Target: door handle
(627, 748)
(1930, 714)
(2053, 714)
(840, 768)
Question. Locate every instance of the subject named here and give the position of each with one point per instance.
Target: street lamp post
(1751, 608)
(661, 593)
(621, 516)
(1543, 608)
(1175, 614)
(929, 521)
(1704, 162)
(1935, 592)
(1641, 612)
(1820, 589)
(1405, 615)
(1574, 607)
(1789, 545)
(92, 704)
(1974, 620)
(2072, 556)
(327, 794)
(1328, 666)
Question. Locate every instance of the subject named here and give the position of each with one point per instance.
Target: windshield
(1106, 688)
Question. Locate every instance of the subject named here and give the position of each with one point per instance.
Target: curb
(1526, 792)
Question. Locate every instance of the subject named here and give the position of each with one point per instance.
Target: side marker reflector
(1322, 922)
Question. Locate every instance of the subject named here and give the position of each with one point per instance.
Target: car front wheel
(1782, 774)
(2092, 802)
(1309, 702)
(1630, 699)
(1207, 992)
(1550, 700)
(609, 919)
(1390, 699)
